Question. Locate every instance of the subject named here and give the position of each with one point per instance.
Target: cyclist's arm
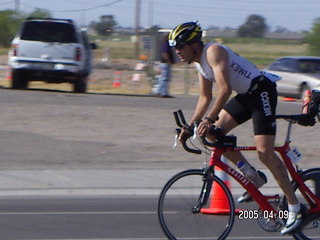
(205, 98)
(219, 60)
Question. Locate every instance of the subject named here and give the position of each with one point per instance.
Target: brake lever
(175, 144)
(176, 138)
(195, 132)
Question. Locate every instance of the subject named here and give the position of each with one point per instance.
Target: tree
(152, 30)
(105, 26)
(40, 13)
(9, 24)
(255, 26)
(313, 38)
(280, 29)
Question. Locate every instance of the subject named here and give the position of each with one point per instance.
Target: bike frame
(262, 200)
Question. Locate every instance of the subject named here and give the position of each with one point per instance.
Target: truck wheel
(18, 80)
(80, 85)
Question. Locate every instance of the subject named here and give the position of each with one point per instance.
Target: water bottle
(247, 170)
(306, 102)
(257, 177)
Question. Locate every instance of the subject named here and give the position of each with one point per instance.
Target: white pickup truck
(50, 50)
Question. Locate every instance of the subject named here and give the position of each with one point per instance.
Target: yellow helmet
(185, 33)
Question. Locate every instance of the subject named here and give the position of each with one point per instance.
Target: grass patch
(267, 41)
(264, 54)
(260, 51)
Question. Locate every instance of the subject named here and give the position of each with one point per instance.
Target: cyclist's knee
(269, 158)
(226, 121)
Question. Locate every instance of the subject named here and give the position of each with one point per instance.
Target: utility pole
(150, 19)
(17, 7)
(137, 28)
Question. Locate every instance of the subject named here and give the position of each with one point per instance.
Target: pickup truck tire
(80, 85)
(18, 80)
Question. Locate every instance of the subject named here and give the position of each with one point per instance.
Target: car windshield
(309, 65)
(46, 31)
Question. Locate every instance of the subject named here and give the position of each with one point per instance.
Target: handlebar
(185, 146)
(220, 141)
(181, 122)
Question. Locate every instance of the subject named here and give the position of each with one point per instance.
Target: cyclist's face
(184, 52)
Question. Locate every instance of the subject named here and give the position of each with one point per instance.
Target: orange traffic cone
(219, 202)
(288, 99)
(116, 79)
(9, 73)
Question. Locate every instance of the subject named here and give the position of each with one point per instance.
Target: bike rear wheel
(177, 202)
(312, 229)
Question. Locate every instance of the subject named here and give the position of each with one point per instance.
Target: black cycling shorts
(259, 103)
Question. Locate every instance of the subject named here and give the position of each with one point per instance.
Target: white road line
(232, 238)
(76, 213)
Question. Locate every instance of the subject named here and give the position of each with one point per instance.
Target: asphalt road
(96, 219)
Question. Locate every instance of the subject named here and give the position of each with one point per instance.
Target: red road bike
(185, 196)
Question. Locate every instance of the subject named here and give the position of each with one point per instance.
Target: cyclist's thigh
(235, 112)
(263, 107)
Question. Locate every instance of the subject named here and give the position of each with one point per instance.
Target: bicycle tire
(179, 197)
(310, 231)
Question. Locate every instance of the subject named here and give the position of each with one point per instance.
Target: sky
(294, 15)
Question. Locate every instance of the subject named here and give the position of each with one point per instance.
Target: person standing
(167, 59)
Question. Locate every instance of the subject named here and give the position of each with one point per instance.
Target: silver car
(299, 74)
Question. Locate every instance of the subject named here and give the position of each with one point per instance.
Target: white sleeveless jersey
(240, 69)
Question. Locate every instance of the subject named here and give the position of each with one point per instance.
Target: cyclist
(256, 98)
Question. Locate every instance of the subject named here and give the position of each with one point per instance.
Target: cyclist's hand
(204, 128)
(185, 134)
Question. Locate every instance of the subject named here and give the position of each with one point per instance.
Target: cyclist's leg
(265, 148)
(264, 122)
(227, 122)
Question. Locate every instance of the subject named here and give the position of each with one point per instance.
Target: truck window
(46, 31)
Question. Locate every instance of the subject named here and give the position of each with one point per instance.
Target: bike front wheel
(182, 205)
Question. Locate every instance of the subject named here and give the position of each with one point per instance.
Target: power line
(78, 10)
(6, 3)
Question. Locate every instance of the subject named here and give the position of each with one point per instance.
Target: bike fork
(205, 191)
